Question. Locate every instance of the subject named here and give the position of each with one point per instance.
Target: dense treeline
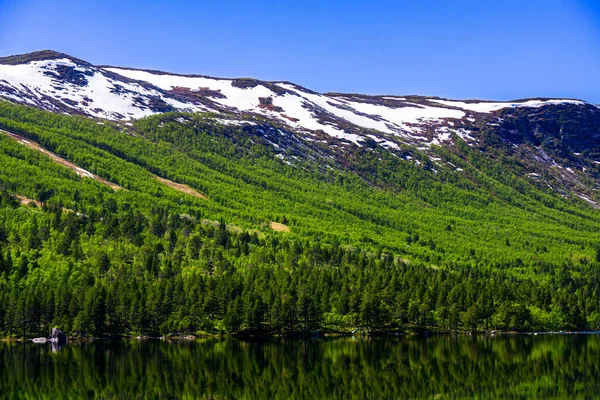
(116, 271)
(416, 248)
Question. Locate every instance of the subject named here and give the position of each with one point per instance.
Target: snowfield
(96, 94)
(68, 86)
(309, 109)
(486, 107)
(236, 98)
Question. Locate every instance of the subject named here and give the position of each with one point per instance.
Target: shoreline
(297, 335)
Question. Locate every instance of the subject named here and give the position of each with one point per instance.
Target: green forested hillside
(375, 241)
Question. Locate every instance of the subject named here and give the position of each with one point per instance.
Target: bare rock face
(57, 336)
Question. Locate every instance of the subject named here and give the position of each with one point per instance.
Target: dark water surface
(542, 366)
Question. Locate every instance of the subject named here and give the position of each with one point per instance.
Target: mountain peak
(41, 55)
(58, 82)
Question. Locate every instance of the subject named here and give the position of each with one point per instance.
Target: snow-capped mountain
(557, 141)
(57, 82)
(60, 83)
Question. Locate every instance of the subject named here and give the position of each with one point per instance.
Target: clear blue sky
(459, 49)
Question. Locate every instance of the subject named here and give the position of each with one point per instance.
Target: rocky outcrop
(56, 337)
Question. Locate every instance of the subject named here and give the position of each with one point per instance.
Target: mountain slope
(426, 159)
(55, 81)
(245, 183)
(230, 217)
(423, 249)
(555, 140)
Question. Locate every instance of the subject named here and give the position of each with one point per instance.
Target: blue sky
(503, 49)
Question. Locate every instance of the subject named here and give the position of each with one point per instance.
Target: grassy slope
(457, 216)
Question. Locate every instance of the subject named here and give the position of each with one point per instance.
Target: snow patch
(583, 197)
(242, 99)
(486, 107)
(96, 93)
(233, 122)
(406, 118)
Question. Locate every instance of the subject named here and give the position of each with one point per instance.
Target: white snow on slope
(247, 99)
(325, 103)
(379, 117)
(294, 106)
(244, 99)
(101, 97)
(407, 117)
(106, 95)
(238, 98)
(393, 98)
(302, 105)
(486, 107)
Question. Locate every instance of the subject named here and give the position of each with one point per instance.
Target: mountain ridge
(248, 82)
(38, 55)
(547, 134)
(53, 54)
(336, 93)
(235, 219)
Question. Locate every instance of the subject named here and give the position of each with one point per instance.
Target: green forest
(376, 243)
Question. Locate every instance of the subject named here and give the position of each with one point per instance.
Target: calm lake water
(542, 366)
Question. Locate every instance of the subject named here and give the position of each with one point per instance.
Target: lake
(542, 366)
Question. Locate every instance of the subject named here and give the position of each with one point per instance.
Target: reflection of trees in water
(539, 366)
(56, 346)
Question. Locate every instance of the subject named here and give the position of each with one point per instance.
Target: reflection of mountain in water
(543, 366)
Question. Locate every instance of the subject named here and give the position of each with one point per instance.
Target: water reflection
(449, 367)
(56, 347)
